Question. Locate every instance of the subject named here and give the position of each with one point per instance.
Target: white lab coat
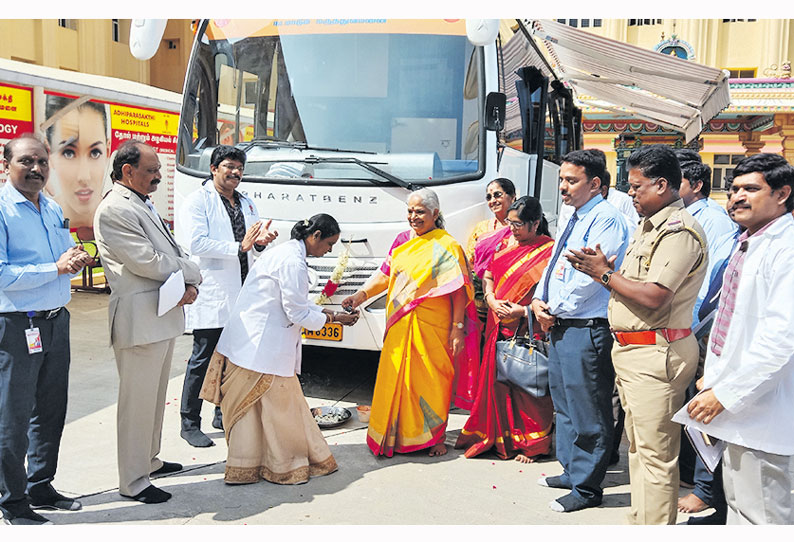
(207, 236)
(264, 331)
(753, 378)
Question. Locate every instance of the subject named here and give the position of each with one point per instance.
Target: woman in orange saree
(431, 345)
(504, 418)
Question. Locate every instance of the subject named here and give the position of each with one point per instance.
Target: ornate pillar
(751, 141)
(785, 122)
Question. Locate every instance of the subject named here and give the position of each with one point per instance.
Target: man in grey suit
(139, 254)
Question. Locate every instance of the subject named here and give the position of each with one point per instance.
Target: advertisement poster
(159, 129)
(16, 116)
(83, 135)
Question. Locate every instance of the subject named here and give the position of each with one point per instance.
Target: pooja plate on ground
(330, 416)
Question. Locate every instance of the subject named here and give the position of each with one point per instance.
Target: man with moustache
(139, 254)
(721, 233)
(573, 309)
(37, 259)
(748, 386)
(650, 311)
(223, 230)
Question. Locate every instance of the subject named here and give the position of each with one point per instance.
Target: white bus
(346, 117)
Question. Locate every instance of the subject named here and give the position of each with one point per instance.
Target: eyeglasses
(233, 167)
(494, 195)
(515, 224)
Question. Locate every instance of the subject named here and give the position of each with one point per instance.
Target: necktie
(558, 250)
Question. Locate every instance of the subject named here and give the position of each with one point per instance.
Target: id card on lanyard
(33, 337)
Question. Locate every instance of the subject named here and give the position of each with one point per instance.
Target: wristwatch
(458, 325)
(605, 277)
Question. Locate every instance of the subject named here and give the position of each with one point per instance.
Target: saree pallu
(503, 417)
(417, 375)
(482, 256)
(270, 431)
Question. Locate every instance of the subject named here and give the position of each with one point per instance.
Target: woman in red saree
(504, 418)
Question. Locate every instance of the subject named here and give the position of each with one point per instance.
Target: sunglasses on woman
(494, 195)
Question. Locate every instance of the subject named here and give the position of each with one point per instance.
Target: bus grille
(352, 280)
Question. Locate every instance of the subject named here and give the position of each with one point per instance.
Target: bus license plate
(329, 332)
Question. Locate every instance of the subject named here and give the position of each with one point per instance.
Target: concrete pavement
(403, 490)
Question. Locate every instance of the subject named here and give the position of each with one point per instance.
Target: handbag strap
(530, 317)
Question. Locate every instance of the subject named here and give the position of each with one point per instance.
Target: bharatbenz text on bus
(347, 117)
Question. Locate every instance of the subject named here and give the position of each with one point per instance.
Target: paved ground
(404, 490)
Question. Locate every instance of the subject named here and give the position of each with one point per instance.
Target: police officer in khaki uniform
(650, 312)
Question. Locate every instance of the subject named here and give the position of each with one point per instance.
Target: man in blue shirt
(37, 259)
(574, 308)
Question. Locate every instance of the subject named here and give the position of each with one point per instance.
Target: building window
(738, 20)
(742, 73)
(581, 23)
(585, 23)
(114, 28)
(644, 22)
(71, 24)
(172, 44)
(722, 172)
(596, 23)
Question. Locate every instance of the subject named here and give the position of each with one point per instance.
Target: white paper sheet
(709, 452)
(171, 292)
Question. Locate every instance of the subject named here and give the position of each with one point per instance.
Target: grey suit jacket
(138, 254)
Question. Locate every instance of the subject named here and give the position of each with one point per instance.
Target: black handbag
(523, 362)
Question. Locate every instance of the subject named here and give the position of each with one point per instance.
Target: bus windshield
(402, 96)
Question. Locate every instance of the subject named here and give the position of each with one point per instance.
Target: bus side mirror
(145, 36)
(495, 107)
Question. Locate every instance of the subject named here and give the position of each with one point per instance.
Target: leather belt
(581, 322)
(625, 338)
(47, 315)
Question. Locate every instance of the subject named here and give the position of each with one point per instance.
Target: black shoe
(614, 459)
(151, 495)
(167, 468)
(572, 503)
(26, 517)
(197, 438)
(56, 501)
(717, 518)
(553, 481)
(217, 421)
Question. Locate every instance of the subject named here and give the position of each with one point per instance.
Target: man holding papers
(748, 386)
(139, 254)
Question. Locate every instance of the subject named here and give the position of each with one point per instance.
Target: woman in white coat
(270, 430)
(221, 230)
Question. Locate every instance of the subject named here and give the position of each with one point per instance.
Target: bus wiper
(302, 145)
(366, 165)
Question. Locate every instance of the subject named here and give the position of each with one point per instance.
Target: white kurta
(264, 331)
(753, 378)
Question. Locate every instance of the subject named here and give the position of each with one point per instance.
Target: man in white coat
(223, 233)
(748, 387)
(139, 254)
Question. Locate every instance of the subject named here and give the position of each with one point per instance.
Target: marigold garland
(336, 278)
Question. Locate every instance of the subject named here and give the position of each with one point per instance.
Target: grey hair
(430, 200)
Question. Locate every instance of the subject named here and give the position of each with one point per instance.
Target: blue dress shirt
(31, 241)
(573, 294)
(721, 232)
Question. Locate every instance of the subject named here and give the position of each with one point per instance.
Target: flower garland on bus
(336, 277)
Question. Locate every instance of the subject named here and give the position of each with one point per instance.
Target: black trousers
(204, 343)
(33, 396)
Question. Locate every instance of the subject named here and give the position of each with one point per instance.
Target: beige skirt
(270, 431)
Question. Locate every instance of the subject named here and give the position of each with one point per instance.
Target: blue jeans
(33, 396)
(581, 379)
(204, 343)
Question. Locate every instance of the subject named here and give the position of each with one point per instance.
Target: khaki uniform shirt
(678, 262)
